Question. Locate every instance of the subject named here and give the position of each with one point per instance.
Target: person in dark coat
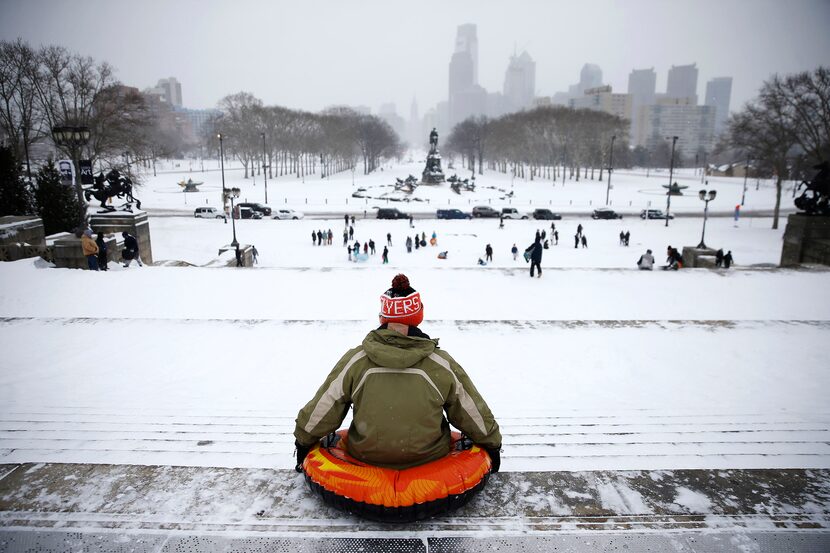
(535, 251)
(552, 228)
(584, 241)
(719, 258)
(727, 259)
(622, 238)
(388, 238)
(385, 255)
(349, 249)
(238, 257)
(627, 237)
(408, 244)
(131, 249)
(417, 242)
(345, 237)
(579, 229)
(371, 246)
(346, 219)
(366, 248)
(544, 234)
(351, 232)
(556, 237)
(102, 252)
(576, 240)
(319, 238)
(488, 252)
(313, 238)
(515, 251)
(356, 248)
(254, 253)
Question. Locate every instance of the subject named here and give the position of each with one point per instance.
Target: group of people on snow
(322, 238)
(96, 252)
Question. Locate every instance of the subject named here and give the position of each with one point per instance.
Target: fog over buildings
(457, 59)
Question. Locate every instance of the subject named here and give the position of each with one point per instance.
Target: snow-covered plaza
(596, 366)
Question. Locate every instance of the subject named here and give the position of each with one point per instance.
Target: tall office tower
(589, 77)
(682, 82)
(642, 85)
(466, 41)
(718, 94)
(172, 90)
(520, 82)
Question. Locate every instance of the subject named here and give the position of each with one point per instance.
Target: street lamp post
(610, 169)
(706, 197)
(222, 165)
(746, 174)
(231, 194)
(265, 166)
(72, 139)
(671, 173)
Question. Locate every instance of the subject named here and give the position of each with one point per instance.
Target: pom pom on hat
(401, 303)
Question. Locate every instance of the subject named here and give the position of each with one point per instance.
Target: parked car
(653, 214)
(546, 214)
(288, 214)
(605, 213)
(485, 211)
(513, 213)
(208, 213)
(452, 214)
(261, 208)
(248, 213)
(391, 213)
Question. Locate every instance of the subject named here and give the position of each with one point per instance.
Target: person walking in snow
(255, 254)
(646, 261)
(319, 237)
(130, 249)
(351, 232)
(408, 244)
(576, 241)
(385, 430)
(102, 251)
(535, 251)
(352, 220)
(371, 246)
(385, 255)
(626, 238)
(411, 222)
(515, 251)
(488, 253)
(356, 248)
(719, 258)
(90, 249)
(579, 229)
(389, 239)
(330, 236)
(417, 242)
(584, 241)
(345, 237)
(727, 259)
(556, 237)
(349, 249)
(366, 248)
(622, 238)
(552, 228)
(544, 234)
(346, 219)
(313, 238)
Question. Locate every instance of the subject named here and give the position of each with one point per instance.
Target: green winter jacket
(400, 387)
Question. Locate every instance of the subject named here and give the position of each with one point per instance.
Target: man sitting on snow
(400, 385)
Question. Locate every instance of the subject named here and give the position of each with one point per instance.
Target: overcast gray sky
(311, 54)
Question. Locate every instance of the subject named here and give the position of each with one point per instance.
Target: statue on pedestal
(433, 174)
(815, 200)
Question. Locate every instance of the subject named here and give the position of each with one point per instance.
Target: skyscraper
(642, 85)
(467, 41)
(172, 91)
(590, 77)
(682, 82)
(718, 94)
(520, 82)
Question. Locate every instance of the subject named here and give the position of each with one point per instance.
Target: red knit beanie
(401, 304)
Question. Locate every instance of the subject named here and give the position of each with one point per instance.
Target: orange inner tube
(337, 472)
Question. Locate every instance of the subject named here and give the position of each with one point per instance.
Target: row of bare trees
(51, 86)
(544, 142)
(786, 129)
(296, 142)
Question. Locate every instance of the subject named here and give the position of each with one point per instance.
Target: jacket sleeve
(467, 410)
(324, 413)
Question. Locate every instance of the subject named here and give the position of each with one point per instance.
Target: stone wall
(247, 255)
(698, 257)
(806, 240)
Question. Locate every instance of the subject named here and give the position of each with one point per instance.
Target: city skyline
(371, 57)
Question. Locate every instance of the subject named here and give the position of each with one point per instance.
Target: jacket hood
(388, 348)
